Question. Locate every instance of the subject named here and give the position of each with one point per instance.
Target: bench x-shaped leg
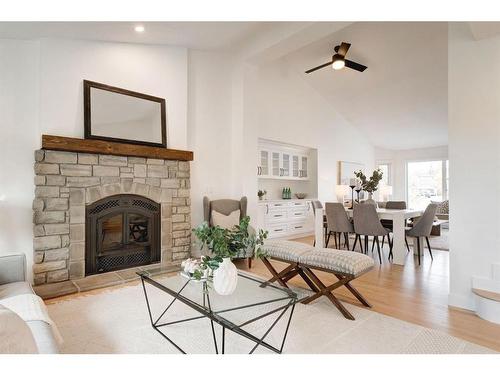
(288, 273)
(282, 276)
(327, 291)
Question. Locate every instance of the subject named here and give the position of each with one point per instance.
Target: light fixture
(341, 191)
(338, 62)
(139, 29)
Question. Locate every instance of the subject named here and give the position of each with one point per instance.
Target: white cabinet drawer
(277, 230)
(297, 227)
(293, 214)
(303, 205)
(276, 214)
(277, 206)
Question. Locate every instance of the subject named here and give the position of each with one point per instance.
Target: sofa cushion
(15, 335)
(342, 261)
(44, 337)
(15, 289)
(286, 250)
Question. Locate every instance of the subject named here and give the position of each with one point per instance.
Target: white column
(399, 247)
(318, 228)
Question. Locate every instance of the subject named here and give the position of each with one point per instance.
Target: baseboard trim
(462, 301)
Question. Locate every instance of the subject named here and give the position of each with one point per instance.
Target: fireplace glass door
(122, 231)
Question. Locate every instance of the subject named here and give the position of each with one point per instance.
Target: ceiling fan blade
(344, 47)
(355, 65)
(319, 67)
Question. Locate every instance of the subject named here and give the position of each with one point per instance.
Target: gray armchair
(225, 207)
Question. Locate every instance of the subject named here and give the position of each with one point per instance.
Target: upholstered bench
(302, 259)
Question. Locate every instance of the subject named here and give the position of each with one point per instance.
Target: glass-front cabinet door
(303, 167)
(263, 168)
(295, 166)
(276, 165)
(285, 165)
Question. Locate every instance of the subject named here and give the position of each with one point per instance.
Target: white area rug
(117, 321)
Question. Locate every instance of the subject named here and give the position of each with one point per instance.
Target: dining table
(399, 218)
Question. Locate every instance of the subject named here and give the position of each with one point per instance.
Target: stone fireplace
(145, 209)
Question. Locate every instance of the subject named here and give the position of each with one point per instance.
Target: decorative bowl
(301, 195)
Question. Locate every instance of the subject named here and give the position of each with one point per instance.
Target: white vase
(225, 277)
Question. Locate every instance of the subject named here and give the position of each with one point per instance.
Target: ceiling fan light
(338, 62)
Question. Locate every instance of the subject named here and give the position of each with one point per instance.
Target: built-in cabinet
(282, 162)
(282, 218)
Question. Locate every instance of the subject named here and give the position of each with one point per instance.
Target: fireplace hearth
(122, 231)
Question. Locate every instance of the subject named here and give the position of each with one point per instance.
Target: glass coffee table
(252, 302)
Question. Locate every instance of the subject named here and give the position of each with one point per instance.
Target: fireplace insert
(121, 231)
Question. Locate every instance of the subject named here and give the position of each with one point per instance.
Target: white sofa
(13, 283)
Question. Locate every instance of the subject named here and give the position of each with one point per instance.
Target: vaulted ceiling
(400, 101)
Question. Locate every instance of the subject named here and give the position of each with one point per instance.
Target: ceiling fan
(339, 61)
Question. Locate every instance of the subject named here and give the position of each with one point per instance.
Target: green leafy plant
(261, 193)
(370, 185)
(226, 243)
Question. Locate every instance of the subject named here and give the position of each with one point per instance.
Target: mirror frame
(87, 85)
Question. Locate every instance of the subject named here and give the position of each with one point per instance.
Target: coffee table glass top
(248, 301)
(258, 313)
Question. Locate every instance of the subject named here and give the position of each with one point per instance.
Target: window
(426, 181)
(386, 173)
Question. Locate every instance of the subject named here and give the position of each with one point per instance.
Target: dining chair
(317, 205)
(367, 223)
(338, 224)
(392, 205)
(423, 228)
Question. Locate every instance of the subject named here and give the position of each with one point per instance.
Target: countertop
(285, 200)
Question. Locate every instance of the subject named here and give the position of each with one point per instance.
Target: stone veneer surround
(66, 182)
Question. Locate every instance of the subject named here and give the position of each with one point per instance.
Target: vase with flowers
(223, 244)
(370, 185)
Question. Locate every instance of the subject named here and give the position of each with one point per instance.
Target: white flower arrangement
(194, 268)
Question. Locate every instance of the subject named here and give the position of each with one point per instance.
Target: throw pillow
(226, 221)
(15, 335)
(443, 208)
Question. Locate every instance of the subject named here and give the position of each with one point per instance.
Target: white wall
(398, 160)
(19, 130)
(210, 129)
(281, 106)
(474, 147)
(155, 70)
(41, 92)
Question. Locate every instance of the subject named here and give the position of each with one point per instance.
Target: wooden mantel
(92, 146)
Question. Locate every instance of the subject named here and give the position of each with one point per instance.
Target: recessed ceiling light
(139, 29)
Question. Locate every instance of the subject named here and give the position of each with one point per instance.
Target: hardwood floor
(415, 294)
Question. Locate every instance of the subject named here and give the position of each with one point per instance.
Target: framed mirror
(115, 114)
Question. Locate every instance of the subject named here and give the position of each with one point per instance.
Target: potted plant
(261, 194)
(223, 244)
(370, 185)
